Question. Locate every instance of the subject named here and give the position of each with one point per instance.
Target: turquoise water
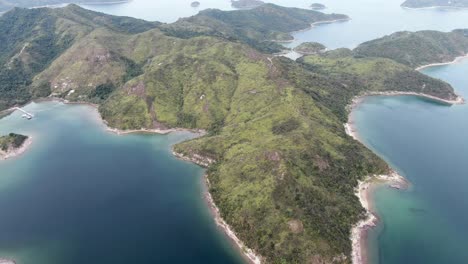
(81, 194)
(428, 143)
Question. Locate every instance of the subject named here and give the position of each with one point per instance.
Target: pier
(25, 113)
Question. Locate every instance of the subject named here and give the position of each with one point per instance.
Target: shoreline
(17, 152)
(365, 188)
(456, 60)
(309, 28)
(246, 252)
(364, 192)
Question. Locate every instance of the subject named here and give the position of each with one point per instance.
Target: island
(435, 3)
(246, 4)
(195, 4)
(12, 145)
(309, 48)
(6, 5)
(282, 171)
(317, 6)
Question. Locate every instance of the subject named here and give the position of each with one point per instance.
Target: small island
(12, 145)
(435, 3)
(310, 48)
(317, 6)
(246, 4)
(195, 4)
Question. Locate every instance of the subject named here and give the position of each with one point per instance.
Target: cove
(427, 143)
(81, 194)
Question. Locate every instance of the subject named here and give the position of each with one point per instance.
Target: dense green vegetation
(310, 48)
(32, 38)
(11, 141)
(285, 169)
(435, 3)
(256, 27)
(417, 48)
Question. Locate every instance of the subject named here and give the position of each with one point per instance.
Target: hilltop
(282, 168)
(435, 3)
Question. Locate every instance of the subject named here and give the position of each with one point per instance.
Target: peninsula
(281, 168)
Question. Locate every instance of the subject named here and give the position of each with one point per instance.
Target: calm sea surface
(81, 194)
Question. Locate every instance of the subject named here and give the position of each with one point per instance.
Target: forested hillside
(417, 48)
(285, 170)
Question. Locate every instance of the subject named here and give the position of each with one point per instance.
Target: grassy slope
(431, 3)
(33, 39)
(417, 48)
(285, 170)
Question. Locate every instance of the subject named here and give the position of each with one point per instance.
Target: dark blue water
(428, 143)
(84, 195)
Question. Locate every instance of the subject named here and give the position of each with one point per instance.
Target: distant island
(246, 4)
(195, 4)
(317, 6)
(309, 48)
(435, 3)
(6, 5)
(12, 145)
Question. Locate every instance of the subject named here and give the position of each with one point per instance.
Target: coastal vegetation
(308, 48)
(11, 142)
(435, 3)
(417, 48)
(259, 27)
(283, 170)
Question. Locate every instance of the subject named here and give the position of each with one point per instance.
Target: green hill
(435, 3)
(417, 48)
(285, 170)
(257, 27)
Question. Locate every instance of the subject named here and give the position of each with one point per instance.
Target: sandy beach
(7, 261)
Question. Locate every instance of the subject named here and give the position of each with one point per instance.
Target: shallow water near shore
(426, 141)
(81, 194)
